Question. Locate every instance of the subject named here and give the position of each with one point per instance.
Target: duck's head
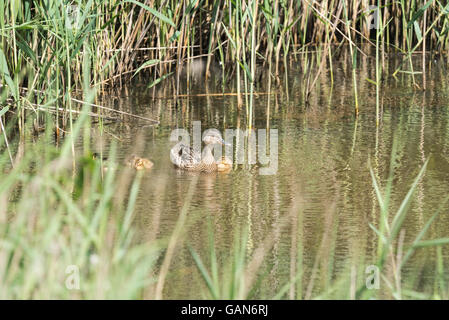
(142, 163)
(213, 136)
(96, 156)
(138, 162)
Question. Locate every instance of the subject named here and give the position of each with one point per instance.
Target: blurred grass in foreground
(56, 219)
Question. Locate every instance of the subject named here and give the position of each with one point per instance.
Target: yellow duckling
(224, 165)
(139, 163)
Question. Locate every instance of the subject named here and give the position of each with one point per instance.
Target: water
(325, 154)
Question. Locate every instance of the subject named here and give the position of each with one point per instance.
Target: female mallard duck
(139, 163)
(186, 158)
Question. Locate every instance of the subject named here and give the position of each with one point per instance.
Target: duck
(139, 163)
(186, 158)
(36, 127)
(106, 164)
(97, 156)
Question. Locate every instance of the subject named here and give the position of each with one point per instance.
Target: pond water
(323, 183)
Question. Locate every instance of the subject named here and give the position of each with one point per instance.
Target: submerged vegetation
(62, 214)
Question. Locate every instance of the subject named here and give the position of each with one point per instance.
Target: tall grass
(56, 223)
(44, 43)
(241, 275)
(67, 234)
(60, 212)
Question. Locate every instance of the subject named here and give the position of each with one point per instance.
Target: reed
(58, 239)
(61, 212)
(56, 223)
(44, 43)
(238, 279)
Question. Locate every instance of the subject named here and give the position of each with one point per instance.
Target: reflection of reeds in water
(48, 215)
(238, 278)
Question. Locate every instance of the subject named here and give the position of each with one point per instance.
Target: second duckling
(224, 165)
(139, 163)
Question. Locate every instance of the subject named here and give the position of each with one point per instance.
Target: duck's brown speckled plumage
(186, 158)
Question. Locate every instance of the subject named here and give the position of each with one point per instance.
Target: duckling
(36, 126)
(224, 165)
(105, 165)
(186, 158)
(139, 163)
(96, 156)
